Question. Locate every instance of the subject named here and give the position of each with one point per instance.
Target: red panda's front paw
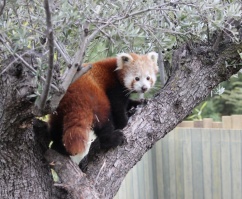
(112, 140)
(119, 137)
(144, 101)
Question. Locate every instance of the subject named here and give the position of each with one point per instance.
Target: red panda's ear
(122, 59)
(153, 56)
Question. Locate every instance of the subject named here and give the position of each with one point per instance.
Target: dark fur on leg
(119, 101)
(59, 147)
(108, 136)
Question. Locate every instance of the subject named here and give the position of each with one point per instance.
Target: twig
(109, 37)
(161, 68)
(129, 6)
(30, 18)
(208, 35)
(145, 10)
(5, 69)
(69, 74)
(78, 58)
(24, 62)
(18, 56)
(2, 8)
(81, 72)
(167, 19)
(114, 19)
(50, 37)
(63, 52)
(218, 40)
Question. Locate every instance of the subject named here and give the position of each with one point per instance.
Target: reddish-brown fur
(85, 103)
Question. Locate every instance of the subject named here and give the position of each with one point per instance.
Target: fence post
(217, 125)
(198, 124)
(187, 124)
(207, 123)
(226, 122)
(236, 121)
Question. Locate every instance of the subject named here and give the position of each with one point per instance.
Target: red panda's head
(138, 72)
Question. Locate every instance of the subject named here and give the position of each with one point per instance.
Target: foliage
(116, 26)
(198, 112)
(230, 101)
(138, 26)
(221, 103)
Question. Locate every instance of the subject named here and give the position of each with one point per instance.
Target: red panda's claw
(120, 137)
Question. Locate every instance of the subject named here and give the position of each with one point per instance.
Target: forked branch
(41, 103)
(2, 7)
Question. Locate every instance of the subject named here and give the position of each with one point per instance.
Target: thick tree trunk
(24, 172)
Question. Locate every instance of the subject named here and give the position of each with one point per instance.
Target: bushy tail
(75, 139)
(70, 131)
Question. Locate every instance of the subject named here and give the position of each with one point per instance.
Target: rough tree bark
(25, 173)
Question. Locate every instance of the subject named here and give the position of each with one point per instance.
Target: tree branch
(2, 8)
(161, 68)
(114, 19)
(68, 76)
(41, 104)
(24, 62)
(63, 52)
(81, 71)
(75, 182)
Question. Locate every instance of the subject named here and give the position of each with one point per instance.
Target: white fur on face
(141, 75)
(144, 82)
(131, 83)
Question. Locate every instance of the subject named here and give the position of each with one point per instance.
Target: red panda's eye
(148, 78)
(137, 78)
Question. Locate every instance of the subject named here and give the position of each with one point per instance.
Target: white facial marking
(143, 84)
(128, 79)
(140, 76)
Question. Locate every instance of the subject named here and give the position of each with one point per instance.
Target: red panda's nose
(144, 88)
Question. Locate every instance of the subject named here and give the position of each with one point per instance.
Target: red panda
(99, 100)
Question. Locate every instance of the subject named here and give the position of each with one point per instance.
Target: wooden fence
(190, 163)
(228, 122)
